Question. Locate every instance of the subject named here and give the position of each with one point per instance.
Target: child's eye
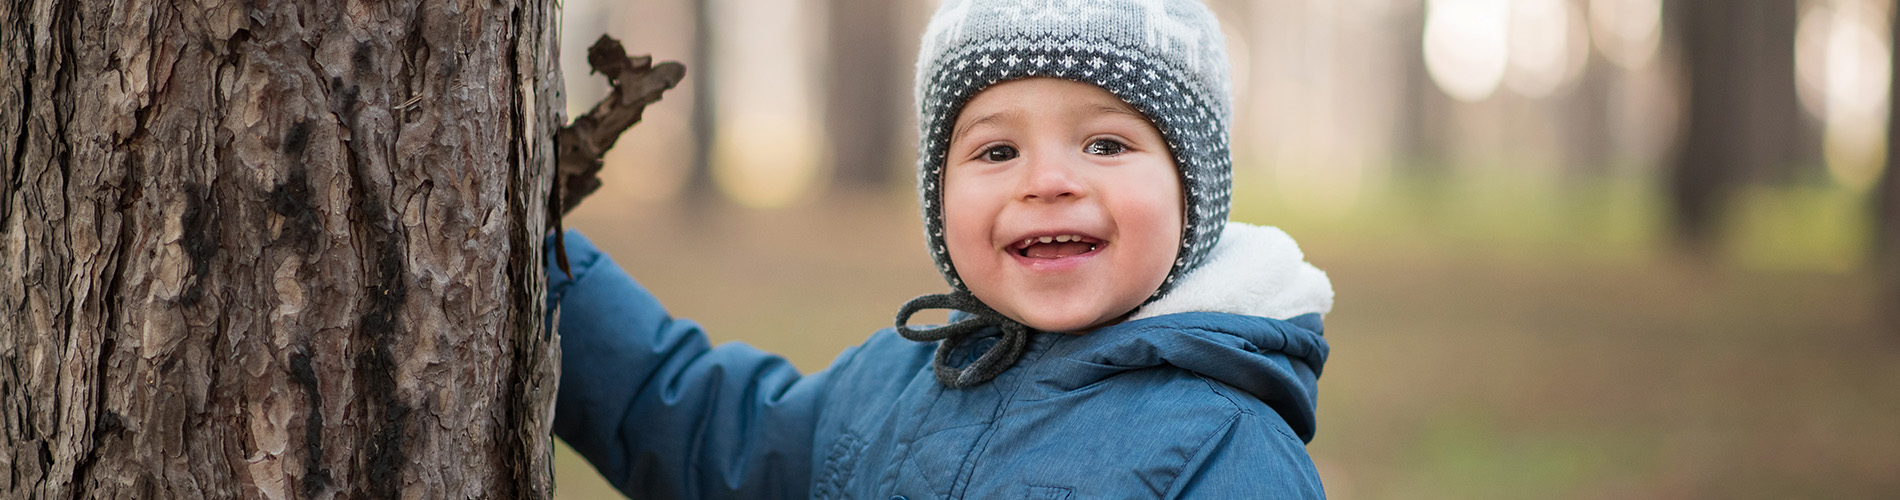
(1000, 154)
(1106, 147)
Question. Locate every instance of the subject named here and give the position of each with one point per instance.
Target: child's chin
(1065, 311)
(1067, 324)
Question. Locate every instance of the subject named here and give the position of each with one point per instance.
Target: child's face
(1045, 159)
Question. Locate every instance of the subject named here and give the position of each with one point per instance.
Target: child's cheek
(964, 227)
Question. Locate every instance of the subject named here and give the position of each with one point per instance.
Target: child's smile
(1057, 247)
(1064, 251)
(1062, 205)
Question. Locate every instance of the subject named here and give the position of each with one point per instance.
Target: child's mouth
(1056, 247)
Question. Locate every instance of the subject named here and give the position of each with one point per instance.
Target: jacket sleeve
(660, 412)
(1255, 456)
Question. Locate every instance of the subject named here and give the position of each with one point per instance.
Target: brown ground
(1455, 373)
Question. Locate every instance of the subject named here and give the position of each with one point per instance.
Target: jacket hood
(1250, 318)
(1254, 270)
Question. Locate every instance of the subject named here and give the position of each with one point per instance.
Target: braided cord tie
(993, 362)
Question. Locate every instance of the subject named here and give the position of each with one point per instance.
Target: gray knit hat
(1166, 58)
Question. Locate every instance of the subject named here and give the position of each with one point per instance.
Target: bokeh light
(1549, 46)
(1627, 32)
(1843, 69)
(766, 150)
(1532, 47)
(1465, 45)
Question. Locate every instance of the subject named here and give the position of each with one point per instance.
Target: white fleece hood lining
(1255, 271)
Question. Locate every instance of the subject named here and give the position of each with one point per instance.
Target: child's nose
(1051, 177)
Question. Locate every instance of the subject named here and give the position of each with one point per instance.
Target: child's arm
(660, 412)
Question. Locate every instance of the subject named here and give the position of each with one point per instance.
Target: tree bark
(275, 249)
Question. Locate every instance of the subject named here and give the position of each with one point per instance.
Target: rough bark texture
(275, 249)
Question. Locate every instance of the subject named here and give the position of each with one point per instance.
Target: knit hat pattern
(1166, 58)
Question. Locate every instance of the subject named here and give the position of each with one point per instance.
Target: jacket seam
(960, 485)
(1200, 451)
(1284, 430)
(906, 439)
(1216, 389)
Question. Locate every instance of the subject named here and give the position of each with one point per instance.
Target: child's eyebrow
(1121, 110)
(989, 118)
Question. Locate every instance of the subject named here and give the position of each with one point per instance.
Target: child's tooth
(1047, 239)
(1062, 239)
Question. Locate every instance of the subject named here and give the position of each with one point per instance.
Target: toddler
(1113, 335)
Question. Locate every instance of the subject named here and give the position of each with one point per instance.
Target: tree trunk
(700, 187)
(1887, 199)
(1743, 119)
(1587, 146)
(275, 249)
(1421, 134)
(864, 115)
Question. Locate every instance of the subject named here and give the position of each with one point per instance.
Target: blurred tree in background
(1743, 119)
(864, 131)
(1887, 195)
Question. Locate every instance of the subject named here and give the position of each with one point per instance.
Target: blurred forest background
(1582, 248)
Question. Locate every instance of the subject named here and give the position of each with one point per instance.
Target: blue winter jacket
(1169, 405)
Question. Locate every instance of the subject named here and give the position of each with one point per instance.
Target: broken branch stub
(580, 145)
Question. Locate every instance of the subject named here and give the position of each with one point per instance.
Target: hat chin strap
(993, 362)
